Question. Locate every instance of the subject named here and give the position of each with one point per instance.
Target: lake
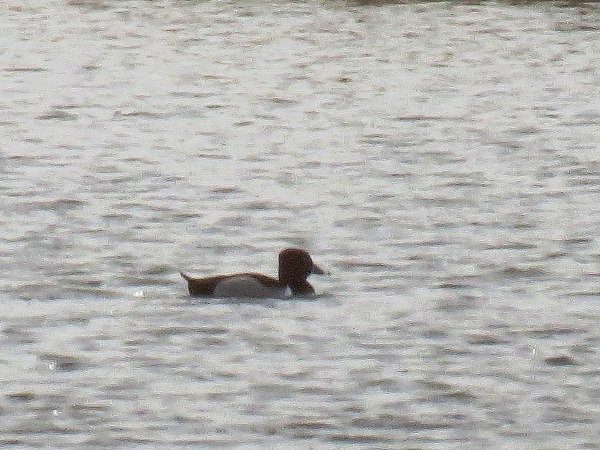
(440, 160)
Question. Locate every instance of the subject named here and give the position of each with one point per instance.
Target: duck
(295, 265)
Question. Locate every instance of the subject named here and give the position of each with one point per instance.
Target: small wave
(560, 360)
(57, 114)
(522, 272)
(61, 362)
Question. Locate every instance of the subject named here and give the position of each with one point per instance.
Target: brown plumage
(295, 265)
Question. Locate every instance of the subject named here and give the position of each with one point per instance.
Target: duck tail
(185, 277)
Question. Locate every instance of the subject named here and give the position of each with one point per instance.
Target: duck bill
(317, 270)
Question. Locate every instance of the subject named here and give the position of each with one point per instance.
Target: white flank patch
(247, 287)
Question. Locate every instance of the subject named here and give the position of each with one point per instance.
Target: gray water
(440, 160)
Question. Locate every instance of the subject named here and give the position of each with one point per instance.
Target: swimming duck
(295, 265)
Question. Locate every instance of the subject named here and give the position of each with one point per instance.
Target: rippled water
(441, 160)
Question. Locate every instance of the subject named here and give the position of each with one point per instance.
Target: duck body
(295, 265)
(247, 285)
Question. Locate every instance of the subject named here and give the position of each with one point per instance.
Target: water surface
(441, 160)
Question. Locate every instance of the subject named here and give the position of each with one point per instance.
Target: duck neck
(302, 288)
